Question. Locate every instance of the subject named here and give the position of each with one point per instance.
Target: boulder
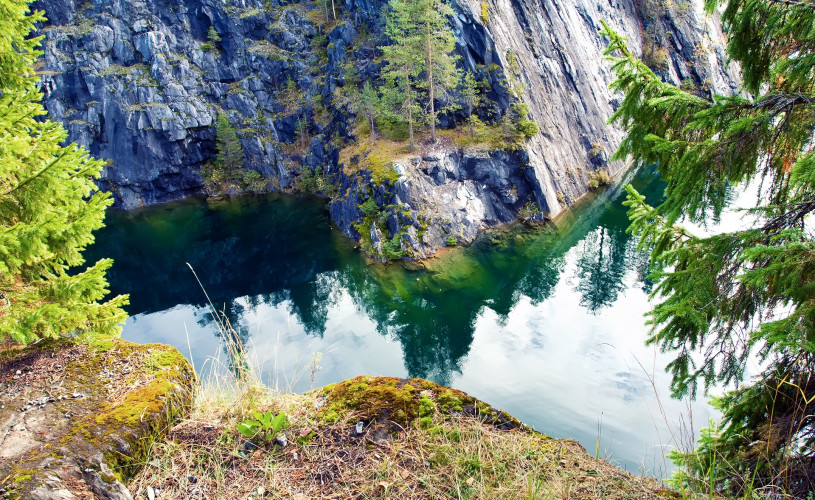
(78, 418)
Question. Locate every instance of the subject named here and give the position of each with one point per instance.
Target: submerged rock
(103, 406)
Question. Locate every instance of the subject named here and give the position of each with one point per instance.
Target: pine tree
(230, 151)
(724, 297)
(49, 206)
(420, 61)
(369, 105)
(405, 62)
(440, 73)
(212, 40)
(471, 98)
(227, 169)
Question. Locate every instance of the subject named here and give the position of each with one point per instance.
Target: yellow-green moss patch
(405, 400)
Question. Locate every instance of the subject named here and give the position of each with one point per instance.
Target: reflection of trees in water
(310, 301)
(244, 247)
(434, 336)
(606, 252)
(284, 252)
(601, 267)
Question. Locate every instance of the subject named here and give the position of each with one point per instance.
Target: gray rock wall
(559, 53)
(139, 84)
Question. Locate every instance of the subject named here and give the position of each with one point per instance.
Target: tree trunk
(410, 126)
(409, 101)
(430, 84)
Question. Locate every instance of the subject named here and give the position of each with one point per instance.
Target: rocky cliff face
(141, 82)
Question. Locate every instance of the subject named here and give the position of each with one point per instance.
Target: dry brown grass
(376, 155)
(455, 456)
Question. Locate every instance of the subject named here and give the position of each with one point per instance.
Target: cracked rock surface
(75, 419)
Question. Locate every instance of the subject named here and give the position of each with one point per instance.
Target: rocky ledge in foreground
(373, 437)
(76, 419)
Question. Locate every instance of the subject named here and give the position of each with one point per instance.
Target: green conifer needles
(421, 62)
(49, 206)
(726, 296)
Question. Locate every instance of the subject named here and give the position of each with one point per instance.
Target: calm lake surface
(547, 324)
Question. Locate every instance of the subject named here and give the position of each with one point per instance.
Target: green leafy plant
(265, 427)
(392, 249)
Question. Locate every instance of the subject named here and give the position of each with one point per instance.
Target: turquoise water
(545, 323)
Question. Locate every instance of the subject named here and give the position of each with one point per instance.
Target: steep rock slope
(559, 54)
(141, 83)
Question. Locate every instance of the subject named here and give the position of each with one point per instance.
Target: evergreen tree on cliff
(405, 62)
(440, 73)
(230, 152)
(420, 61)
(49, 206)
(722, 298)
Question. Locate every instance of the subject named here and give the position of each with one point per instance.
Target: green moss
(330, 416)
(22, 475)
(449, 401)
(404, 401)
(144, 413)
(136, 405)
(426, 407)
(164, 359)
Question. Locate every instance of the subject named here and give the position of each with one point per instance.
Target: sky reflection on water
(546, 324)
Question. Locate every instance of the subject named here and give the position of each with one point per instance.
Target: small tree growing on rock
(227, 169)
(212, 38)
(405, 63)
(420, 62)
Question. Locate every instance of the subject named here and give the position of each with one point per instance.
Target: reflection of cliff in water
(432, 311)
(281, 250)
(256, 247)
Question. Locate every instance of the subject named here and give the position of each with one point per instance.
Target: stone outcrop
(442, 197)
(140, 83)
(78, 419)
(559, 63)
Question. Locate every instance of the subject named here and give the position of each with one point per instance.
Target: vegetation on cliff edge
(374, 437)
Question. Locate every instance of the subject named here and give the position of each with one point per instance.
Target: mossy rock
(81, 417)
(404, 401)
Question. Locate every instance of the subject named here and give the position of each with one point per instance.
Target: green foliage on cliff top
(725, 297)
(421, 72)
(49, 206)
